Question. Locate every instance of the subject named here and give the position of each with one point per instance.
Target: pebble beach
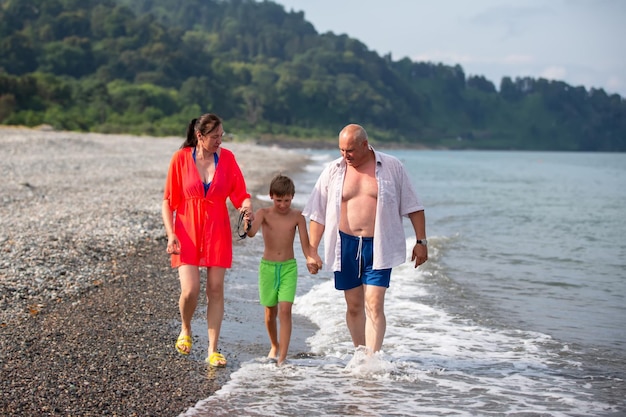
(88, 301)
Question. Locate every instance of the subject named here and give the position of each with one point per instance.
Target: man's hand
(314, 263)
(420, 254)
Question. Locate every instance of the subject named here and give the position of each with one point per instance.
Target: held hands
(420, 254)
(313, 262)
(248, 215)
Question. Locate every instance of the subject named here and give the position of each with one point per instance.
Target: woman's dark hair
(204, 124)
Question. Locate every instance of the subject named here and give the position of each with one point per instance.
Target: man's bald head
(355, 132)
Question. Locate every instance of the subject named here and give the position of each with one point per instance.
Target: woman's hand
(173, 244)
(248, 213)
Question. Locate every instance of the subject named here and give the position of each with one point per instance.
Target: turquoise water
(539, 236)
(519, 311)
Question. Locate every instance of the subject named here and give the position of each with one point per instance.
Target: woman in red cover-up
(201, 176)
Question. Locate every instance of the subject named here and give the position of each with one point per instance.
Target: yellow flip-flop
(183, 344)
(216, 360)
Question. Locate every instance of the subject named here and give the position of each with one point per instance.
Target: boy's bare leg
(270, 324)
(284, 316)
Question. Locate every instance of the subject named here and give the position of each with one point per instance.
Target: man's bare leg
(355, 315)
(376, 322)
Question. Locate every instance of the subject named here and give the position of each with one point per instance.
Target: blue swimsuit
(206, 184)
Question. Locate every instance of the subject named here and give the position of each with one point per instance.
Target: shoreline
(265, 141)
(89, 300)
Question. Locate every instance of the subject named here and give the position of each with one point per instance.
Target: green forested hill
(149, 66)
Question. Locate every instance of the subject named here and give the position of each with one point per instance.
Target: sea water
(519, 311)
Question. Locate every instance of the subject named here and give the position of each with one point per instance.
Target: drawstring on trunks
(359, 255)
(277, 269)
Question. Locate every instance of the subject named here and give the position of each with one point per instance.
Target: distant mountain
(148, 66)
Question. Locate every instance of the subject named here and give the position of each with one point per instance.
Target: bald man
(360, 200)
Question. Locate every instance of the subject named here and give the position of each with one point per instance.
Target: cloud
(615, 83)
(612, 6)
(514, 20)
(516, 59)
(554, 73)
(458, 58)
(443, 56)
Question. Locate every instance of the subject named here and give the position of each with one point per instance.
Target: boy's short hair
(282, 185)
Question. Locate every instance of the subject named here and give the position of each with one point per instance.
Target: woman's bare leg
(215, 305)
(189, 277)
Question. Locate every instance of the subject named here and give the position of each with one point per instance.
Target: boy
(278, 272)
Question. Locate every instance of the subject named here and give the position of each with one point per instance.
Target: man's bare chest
(359, 184)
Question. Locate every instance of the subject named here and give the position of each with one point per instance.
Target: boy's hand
(248, 215)
(313, 265)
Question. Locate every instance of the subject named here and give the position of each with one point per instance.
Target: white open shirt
(396, 199)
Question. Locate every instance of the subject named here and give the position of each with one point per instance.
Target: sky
(580, 42)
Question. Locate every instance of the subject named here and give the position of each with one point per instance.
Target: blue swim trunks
(357, 257)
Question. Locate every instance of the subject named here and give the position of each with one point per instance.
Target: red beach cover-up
(202, 223)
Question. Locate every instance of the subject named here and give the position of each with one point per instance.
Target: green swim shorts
(277, 281)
